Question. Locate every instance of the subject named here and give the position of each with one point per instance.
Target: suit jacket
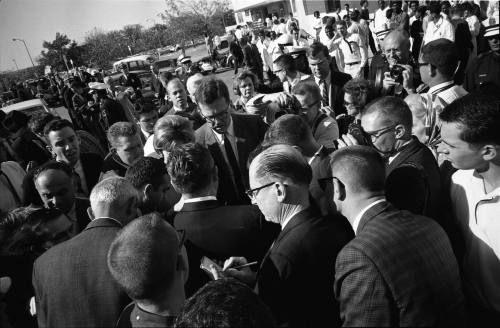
(219, 232)
(297, 274)
(28, 147)
(414, 182)
(73, 286)
(249, 131)
(82, 216)
(91, 164)
(157, 87)
(336, 95)
(399, 270)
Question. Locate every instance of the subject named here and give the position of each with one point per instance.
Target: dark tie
(324, 93)
(234, 165)
(349, 44)
(77, 183)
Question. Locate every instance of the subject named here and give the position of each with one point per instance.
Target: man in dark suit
(72, 282)
(54, 183)
(213, 230)
(330, 80)
(229, 137)
(296, 275)
(400, 269)
(64, 145)
(156, 85)
(128, 79)
(413, 179)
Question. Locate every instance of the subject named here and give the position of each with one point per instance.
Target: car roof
(23, 105)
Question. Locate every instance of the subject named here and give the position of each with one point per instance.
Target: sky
(36, 21)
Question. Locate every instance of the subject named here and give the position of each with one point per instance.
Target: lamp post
(17, 67)
(29, 55)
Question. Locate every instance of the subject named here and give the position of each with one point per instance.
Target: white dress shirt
(199, 199)
(358, 217)
(442, 29)
(380, 19)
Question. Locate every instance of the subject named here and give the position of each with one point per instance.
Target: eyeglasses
(322, 182)
(252, 193)
(374, 135)
(215, 117)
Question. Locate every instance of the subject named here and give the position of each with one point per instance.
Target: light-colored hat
(382, 34)
(492, 27)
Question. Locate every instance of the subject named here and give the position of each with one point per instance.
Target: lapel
(241, 134)
(407, 152)
(372, 213)
(296, 221)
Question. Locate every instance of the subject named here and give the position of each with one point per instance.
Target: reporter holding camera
(398, 75)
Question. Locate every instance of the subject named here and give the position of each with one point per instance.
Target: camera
(396, 73)
(359, 134)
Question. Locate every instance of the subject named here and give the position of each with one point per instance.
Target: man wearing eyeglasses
(229, 137)
(413, 178)
(296, 275)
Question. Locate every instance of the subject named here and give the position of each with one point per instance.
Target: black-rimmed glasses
(215, 117)
(252, 193)
(374, 135)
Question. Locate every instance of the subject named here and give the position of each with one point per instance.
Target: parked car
(37, 105)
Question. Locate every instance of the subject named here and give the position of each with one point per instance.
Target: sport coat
(413, 181)
(82, 216)
(73, 286)
(91, 164)
(336, 91)
(398, 271)
(249, 132)
(218, 232)
(296, 276)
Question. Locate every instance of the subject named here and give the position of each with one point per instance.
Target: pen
(244, 265)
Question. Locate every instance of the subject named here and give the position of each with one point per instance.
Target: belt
(353, 63)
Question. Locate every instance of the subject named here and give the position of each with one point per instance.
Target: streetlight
(17, 67)
(16, 39)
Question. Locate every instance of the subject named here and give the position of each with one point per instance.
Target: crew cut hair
(114, 191)
(288, 129)
(211, 89)
(360, 168)
(143, 258)
(190, 167)
(147, 170)
(121, 129)
(442, 54)
(283, 162)
(316, 48)
(479, 116)
(392, 110)
(306, 87)
(287, 62)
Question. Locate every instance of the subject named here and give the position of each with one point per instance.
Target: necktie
(324, 93)
(350, 47)
(234, 165)
(77, 183)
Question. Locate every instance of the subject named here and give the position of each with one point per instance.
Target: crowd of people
(352, 181)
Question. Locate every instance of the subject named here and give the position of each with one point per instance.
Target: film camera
(396, 72)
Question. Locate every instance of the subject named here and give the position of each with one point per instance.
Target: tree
(57, 49)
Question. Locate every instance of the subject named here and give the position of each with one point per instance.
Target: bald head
(283, 163)
(397, 46)
(360, 169)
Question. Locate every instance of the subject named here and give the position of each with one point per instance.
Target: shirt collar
(439, 86)
(327, 79)
(358, 217)
(199, 199)
(229, 131)
(107, 217)
(146, 134)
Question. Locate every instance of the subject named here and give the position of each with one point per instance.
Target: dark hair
(17, 230)
(307, 87)
(57, 125)
(147, 170)
(479, 116)
(53, 165)
(121, 129)
(75, 84)
(241, 77)
(317, 47)
(283, 162)
(362, 168)
(225, 303)
(355, 15)
(442, 54)
(39, 120)
(144, 107)
(288, 129)
(422, 10)
(316, 13)
(210, 90)
(357, 84)
(190, 167)
(393, 110)
(282, 20)
(361, 3)
(172, 130)
(287, 62)
(142, 258)
(435, 8)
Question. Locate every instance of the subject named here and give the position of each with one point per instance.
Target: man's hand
(245, 275)
(408, 79)
(347, 140)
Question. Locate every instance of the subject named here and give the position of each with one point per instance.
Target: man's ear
(433, 71)
(399, 131)
(490, 152)
(90, 213)
(339, 192)
(147, 190)
(280, 190)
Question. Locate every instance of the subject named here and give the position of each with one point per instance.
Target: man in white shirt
(353, 50)
(147, 115)
(317, 24)
(438, 27)
(346, 12)
(471, 143)
(238, 33)
(286, 71)
(380, 17)
(438, 63)
(262, 45)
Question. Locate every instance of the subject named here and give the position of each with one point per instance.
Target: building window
(332, 5)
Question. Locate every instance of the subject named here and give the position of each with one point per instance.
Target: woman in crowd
(245, 86)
